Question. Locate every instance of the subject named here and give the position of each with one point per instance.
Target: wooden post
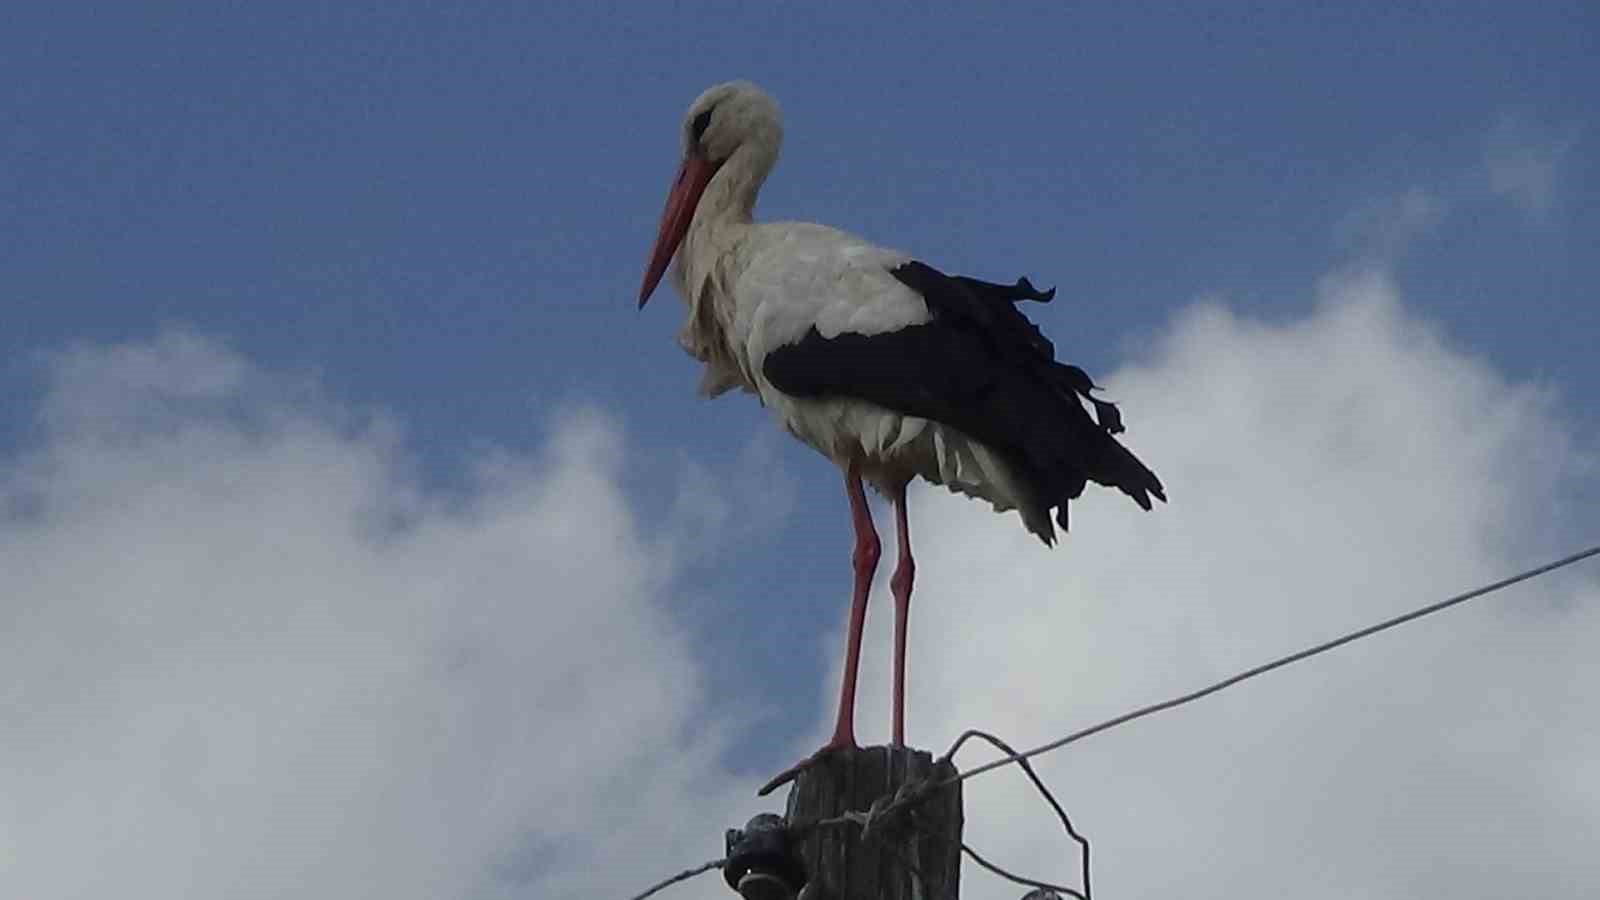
(914, 855)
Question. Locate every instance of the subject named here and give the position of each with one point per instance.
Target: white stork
(885, 365)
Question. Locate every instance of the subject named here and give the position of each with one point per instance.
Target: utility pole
(912, 854)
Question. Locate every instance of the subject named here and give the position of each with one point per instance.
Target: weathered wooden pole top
(912, 854)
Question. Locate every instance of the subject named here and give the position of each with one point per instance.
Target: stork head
(729, 118)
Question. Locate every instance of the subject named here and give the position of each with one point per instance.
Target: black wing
(982, 367)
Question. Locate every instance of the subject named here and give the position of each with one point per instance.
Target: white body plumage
(753, 288)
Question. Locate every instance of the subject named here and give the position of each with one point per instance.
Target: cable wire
(1066, 822)
(918, 792)
(685, 875)
(1282, 661)
(928, 787)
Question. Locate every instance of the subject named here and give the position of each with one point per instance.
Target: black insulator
(761, 865)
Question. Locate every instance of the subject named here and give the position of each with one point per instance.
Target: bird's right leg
(864, 560)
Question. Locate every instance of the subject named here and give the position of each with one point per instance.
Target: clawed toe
(793, 772)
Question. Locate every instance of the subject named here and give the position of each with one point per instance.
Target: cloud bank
(1325, 474)
(246, 652)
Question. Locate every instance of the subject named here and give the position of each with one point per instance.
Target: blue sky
(438, 214)
(432, 204)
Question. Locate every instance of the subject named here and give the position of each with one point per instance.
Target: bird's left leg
(905, 572)
(864, 562)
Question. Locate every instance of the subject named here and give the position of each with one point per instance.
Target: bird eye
(698, 127)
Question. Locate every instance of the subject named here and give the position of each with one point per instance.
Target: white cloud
(1383, 227)
(1324, 474)
(1523, 164)
(245, 655)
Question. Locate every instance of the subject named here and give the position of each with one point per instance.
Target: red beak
(693, 176)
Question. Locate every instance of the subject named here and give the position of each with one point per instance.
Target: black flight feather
(982, 367)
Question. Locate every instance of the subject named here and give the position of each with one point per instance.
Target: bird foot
(787, 775)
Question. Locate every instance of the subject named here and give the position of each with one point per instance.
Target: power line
(1066, 824)
(1280, 662)
(915, 792)
(685, 875)
(928, 787)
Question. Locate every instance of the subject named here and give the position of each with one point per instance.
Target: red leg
(864, 560)
(905, 572)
